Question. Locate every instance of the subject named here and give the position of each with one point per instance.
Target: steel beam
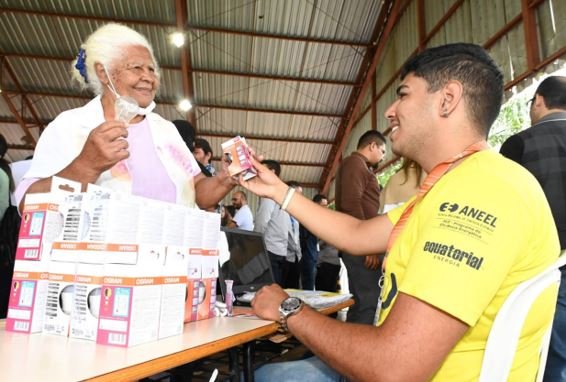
(186, 73)
(277, 36)
(342, 138)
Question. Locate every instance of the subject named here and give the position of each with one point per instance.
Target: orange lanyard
(433, 177)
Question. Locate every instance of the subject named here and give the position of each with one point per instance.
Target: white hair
(105, 46)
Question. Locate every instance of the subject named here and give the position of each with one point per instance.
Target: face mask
(126, 108)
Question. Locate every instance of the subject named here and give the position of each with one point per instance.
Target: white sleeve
(263, 214)
(60, 143)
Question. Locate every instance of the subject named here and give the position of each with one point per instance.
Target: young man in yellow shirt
(479, 227)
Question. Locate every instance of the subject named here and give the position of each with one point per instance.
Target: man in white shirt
(273, 222)
(243, 219)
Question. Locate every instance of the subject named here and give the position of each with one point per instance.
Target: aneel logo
(471, 212)
(455, 254)
(452, 207)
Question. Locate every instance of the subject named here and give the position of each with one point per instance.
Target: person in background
(8, 233)
(357, 194)
(6, 179)
(243, 219)
(309, 249)
(541, 149)
(274, 223)
(292, 269)
(203, 154)
(328, 268)
(187, 133)
(402, 186)
(19, 168)
(226, 212)
(143, 155)
(443, 285)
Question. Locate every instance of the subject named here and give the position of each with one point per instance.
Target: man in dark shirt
(357, 194)
(309, 248)
(542, 150)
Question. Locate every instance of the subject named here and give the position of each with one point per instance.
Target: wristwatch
(289, 307)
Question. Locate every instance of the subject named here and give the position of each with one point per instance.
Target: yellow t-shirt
(481, 230)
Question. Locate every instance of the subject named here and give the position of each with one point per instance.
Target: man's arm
(263, 214)
(231, 224)
(513, 148)
(210, 190)
(353, 184)
(357, 237)
(411, 344)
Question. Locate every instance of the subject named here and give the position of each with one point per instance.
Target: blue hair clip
(80, 65)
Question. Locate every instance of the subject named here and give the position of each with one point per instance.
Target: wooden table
(43, 357)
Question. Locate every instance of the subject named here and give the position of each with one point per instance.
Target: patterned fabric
(542, 150)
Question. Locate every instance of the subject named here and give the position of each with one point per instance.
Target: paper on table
(317, 299)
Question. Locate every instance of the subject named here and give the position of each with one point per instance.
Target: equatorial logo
(455, 254)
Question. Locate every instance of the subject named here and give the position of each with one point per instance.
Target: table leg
(234, 361)
(248, 361)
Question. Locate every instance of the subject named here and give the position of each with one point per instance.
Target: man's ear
(101, 73)
(538, 101)
(451, 96)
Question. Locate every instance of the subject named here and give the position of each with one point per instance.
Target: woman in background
(401, 186)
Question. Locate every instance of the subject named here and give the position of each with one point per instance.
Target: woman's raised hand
(105, 146)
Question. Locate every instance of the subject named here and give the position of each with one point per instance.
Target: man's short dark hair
(371, 136)
(318, 198)
(203, 144)
(272, 165)
(293, 183)
(470, 64)
(243, 194)
(187, 132)
(553, 90)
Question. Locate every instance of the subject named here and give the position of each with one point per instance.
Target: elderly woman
(144, 156)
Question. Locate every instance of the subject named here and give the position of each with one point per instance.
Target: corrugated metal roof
(253, 44)
(41, 38)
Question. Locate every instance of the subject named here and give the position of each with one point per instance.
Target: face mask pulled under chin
(126, 108)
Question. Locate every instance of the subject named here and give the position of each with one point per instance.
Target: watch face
(291, 303)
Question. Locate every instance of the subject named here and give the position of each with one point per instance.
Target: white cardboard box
(86, 307)
(174, 290)
(60, 298)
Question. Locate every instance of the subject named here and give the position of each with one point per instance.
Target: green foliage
(513, 118)
(383, 177)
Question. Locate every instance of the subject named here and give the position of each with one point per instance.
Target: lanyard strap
(431, 179)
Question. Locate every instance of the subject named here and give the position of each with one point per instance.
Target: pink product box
(28, 296)
(130, 299)
(41, 223)
(201, 285)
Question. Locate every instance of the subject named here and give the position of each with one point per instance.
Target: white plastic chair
(504, 335)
